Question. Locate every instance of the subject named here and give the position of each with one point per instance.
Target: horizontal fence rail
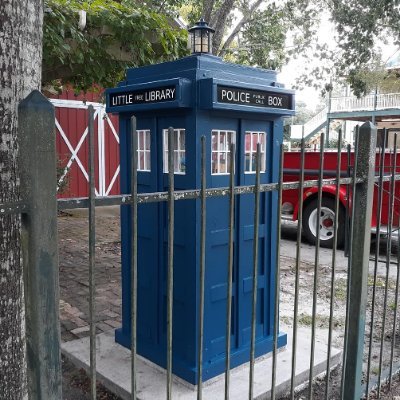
(64, 204)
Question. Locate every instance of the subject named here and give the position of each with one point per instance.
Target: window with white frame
(179, 151)
(221, 151)
(143, 150)
(250, 151)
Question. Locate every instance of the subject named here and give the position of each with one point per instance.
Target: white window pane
(222, 163)
(142, 166)
(220, 147)
(247, 143)
(182, 144)
(230, 139)
(147, 146)
(247, 162)
(214, 163)
(166, 161)
(221, 141)
(179, 151)
(254, 141)
(214, 140)
(182, 161)
(147, 160)
(262, 141)
(253, 162)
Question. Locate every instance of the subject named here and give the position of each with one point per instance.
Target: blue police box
(227, 103)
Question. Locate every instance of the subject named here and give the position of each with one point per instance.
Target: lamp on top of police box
(201, 37)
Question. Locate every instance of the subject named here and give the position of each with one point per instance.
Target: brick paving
(74, 272)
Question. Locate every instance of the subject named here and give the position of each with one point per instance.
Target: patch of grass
(375, 370)
(341, 289)
(286, 320)
(321, 321)
(305, 319)
(380, 282)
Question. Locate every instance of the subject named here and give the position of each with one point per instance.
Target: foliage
(262, 44)
(361, 28)
(116, 36)
(126, 33)
(255, 32)
(170, 7)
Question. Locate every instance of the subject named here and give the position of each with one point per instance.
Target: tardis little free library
(200, 95)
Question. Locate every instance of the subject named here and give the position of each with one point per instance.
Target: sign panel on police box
(251, 97)
(154, 95)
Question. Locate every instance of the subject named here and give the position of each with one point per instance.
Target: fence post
(39, 246)
(358, 272)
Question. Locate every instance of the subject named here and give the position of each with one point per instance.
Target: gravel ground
(74, 297)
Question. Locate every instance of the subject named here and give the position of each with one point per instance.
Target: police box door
(251, 133)
(245, 134)
(148, 234)
(184, 227)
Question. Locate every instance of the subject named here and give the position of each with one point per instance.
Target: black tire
(327, 218)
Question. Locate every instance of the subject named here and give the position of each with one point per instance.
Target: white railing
(351, 103)
(315, 122)
(347, 104)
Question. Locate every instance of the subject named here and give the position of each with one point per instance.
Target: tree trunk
(219, 23)
(20, 72)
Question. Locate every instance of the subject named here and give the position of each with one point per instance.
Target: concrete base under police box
(114, 370)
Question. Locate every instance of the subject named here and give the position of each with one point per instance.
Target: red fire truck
(290, 201)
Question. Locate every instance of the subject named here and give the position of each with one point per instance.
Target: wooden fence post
(359, 252)
(40, 246)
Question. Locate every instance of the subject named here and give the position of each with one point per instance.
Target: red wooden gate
(72, 147)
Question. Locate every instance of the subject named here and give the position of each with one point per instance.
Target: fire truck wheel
(327, 221)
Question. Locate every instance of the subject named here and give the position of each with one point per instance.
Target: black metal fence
(370, 354)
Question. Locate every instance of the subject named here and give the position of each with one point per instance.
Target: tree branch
(246, 18)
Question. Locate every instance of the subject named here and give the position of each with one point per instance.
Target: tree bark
(20, 72)
(219, 22)
(208, 6)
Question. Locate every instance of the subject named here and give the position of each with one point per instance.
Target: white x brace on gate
(103, 188)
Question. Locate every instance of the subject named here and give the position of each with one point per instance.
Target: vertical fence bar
(255, 269)
(134, 248)
(230, 271)
(349, 255)
(334, 250)
(278, 276)
(389, 247)
(297, 272)
(376, 261)
(170, 278)
(358, 272)
(39, 246)
(348, 216)
(92, 255)
(202, 268)
(316, 265)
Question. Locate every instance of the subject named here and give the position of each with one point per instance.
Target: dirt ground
(74, 291)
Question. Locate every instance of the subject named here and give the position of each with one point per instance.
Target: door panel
(147, 242)
(245, 239)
